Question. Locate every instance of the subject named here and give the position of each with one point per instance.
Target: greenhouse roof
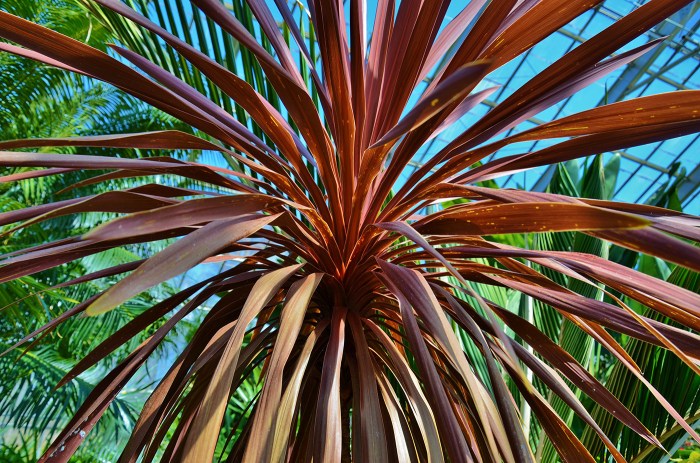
(672, 65)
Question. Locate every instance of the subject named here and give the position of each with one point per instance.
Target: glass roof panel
(673, 65)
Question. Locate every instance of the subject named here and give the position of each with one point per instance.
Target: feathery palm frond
(41, 101)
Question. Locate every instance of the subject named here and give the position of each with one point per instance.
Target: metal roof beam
(690, 184)
(662, 70)
(636, 70)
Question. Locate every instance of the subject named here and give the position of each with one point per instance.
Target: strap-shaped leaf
(292, 318)
(373, 439)
(181, 215)
(327, 437)
(524, 218)
(417, 400)
(178, 258)
(449, 429)
(164, 139)
(289, 401)
(204, 432)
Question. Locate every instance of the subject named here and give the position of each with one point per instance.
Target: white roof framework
(673, 65)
